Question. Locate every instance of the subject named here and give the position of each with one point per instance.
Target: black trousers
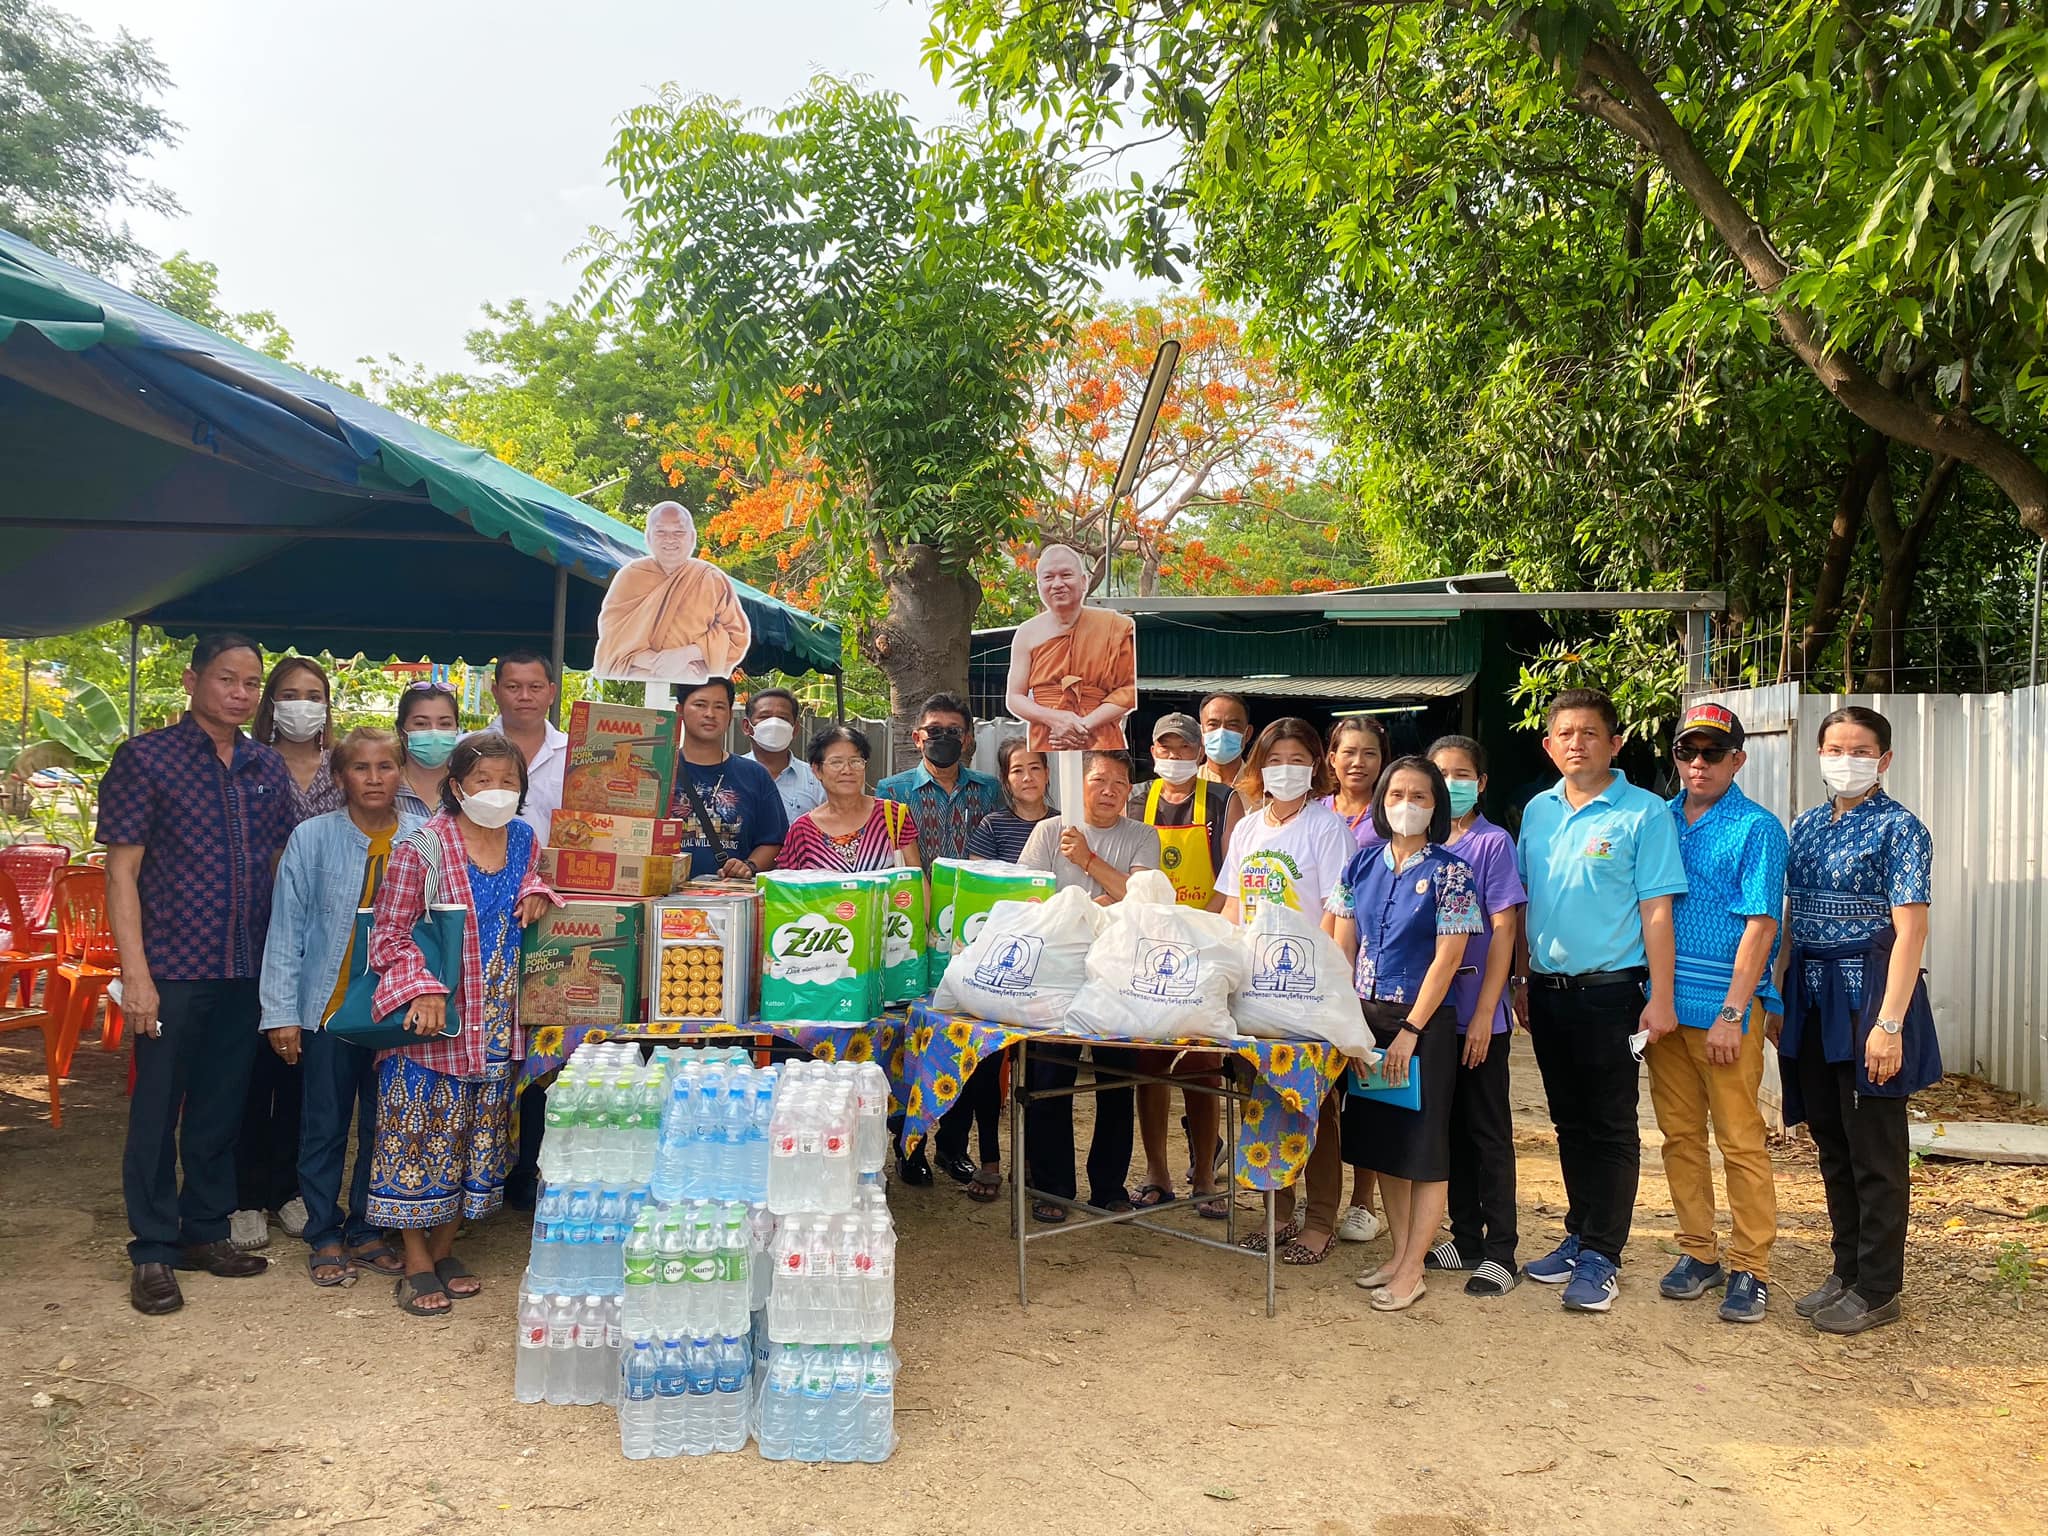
(267, 1151)
(190, 1083)
(1865, 1164)
(1581, 1040)
(1049, 1125)
(1483, 1158)
(980, 1105)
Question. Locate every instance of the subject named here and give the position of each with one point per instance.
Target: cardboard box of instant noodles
(589, 872)
(580, 964)
(622, 761)
(602, 832)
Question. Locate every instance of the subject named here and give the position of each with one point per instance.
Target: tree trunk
(1902, 547)
(922, 646)
(1832, 582)
(1148, 571)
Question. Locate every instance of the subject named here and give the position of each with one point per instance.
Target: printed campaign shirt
(1294, 864)
(745, 807)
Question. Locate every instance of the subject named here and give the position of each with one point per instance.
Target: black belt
(1634, 975)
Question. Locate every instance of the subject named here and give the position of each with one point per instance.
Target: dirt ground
(1143, 1390)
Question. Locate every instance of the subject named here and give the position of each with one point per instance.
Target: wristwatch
(1728, 1015)
(1891, 1026)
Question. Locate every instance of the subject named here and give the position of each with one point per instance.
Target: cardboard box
(622, 761)
(581, 965)
(601, 832)
(611, 874)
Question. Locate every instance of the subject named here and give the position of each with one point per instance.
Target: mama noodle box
(622, 761)
(611, 874)
(580, 964)
(822, 947)
(602, 832)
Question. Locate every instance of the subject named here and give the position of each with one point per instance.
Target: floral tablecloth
(548, 1047)
(1277, 1125)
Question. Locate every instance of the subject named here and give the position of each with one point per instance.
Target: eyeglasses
(843, 764)
(1711, 754)
(942, 733)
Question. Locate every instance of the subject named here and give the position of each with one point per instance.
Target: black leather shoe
(1826, 1294)
(914, 1169)
(153, 1290)
(1850, 1313)
(224, 1259)
(960, 1168)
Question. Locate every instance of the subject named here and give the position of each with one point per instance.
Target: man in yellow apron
(1193, 816)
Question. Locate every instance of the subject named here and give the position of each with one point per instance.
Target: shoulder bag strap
(703, 817)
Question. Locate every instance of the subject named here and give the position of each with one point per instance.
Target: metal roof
(1356, 690)
(1370, 603)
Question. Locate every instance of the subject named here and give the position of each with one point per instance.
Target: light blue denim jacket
(312, 912)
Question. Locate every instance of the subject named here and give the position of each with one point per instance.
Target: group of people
(1620, 928)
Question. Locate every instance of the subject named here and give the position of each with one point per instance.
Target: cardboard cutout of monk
(670, 617)
(1073, 668)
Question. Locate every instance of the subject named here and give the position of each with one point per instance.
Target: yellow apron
(1184, 851)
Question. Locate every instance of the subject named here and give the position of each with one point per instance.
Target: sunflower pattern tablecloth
(879, 1040)
(1277, 1125)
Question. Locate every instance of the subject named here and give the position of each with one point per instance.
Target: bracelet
(1410, 1028)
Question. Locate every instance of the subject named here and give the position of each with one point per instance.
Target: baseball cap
(1184, 726)
(1714, 719)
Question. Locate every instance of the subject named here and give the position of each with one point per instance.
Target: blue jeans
(339, 1077)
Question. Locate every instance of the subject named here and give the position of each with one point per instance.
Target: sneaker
(1594, 1285)
(249, 1230)
(1850, 1313)
(1358, 1225)
(1556, 1266)
(292, 1217)
(1445, 1255)
(1827, 1293)
(1689, 1280)
(1490, 1279)
(1746, 1299)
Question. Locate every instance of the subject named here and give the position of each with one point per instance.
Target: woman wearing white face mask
(293, 718)
(444, 1106)
(1289, 849)
(1404, 913)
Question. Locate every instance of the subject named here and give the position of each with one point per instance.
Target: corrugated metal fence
(1974, 768)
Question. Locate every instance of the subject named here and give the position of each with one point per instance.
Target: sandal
(379, 1256)
(329, 1257)
(1301, 1253)
(1047, 1212)
(1384, 1299)
(1214, 1207)
(412, 1291)
(451, 1269)
(1286, 1232)
(984, 1190)
(1149, 1195)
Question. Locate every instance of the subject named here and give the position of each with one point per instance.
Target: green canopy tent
(160, 473)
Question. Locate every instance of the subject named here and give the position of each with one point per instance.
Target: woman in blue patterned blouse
(1858, 1036)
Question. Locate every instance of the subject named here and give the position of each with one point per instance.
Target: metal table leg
(1020, 1170)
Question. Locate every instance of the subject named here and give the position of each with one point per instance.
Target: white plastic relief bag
(1026, 961)
(1297, 985)
(1159, 970)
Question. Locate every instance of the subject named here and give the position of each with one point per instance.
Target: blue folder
(1374, 1086)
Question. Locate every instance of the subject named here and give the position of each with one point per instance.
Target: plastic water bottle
(642, 1277)
(665, 1180)
(760, 1260)
(733, 1284)
(608, 1239)
(785, 1157)
(842, 1429)
(733, 1119)
(673, 1245)
(878, 1404)
(530, 1362)
(780, 1394)
(670, 1390)
(881, 1277)
(706, 1271)
(593, 1361)
(561, 1383)
(637, 1405)
(814, 1404)
(700, 1381)
(647, 1116)
(548, 1216)
(614, 1346)
(559, 1117)
(835, 1169)
(699, 1172)
(821, 1278)
(579, 1220)
(734, 1367)
(871, 1119)
(760, 1117)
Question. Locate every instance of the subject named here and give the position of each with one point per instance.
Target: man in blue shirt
(1599, 859)
(735, 819)
(1726, 932)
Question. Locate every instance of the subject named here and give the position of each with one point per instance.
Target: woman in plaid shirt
(444, 1106)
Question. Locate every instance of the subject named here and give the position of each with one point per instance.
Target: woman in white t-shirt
(1290, 849)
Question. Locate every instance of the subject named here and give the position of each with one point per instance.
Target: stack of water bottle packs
(713, 1253)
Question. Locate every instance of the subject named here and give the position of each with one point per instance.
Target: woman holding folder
(1403, 913)
(444, 1105)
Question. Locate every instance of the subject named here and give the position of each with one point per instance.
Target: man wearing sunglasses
(1709, 1068)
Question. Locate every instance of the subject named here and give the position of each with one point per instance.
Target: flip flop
(1301, 1253)
(1213, 1207)
(329, 1257)
(451, 1269)
(1149, 1195)
(982, 1191)
(1046, 1212)
(1286, 1232)
(378, 1256)
(410, 1290)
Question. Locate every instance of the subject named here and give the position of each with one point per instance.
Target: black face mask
(942, 748)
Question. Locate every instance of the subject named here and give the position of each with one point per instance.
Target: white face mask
(1175, 770)
(1407, 818)
(774, 733)
(299, 719)
(491, 807)
(1287, 781)
(1849, 775)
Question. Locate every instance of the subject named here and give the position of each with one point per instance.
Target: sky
(375, 171)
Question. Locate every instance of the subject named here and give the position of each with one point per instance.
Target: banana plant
(89, 730)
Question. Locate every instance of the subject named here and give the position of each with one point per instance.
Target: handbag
(438, 933)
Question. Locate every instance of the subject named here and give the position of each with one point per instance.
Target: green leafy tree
(879, 296)
(190, 287)
(76, 112)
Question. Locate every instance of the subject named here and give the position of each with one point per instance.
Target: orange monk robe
(649, 609)
(1094, 663)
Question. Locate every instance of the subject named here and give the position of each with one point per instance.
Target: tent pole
(560, 632)
(839, 696)
(134, 664)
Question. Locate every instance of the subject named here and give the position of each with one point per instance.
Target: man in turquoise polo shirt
(1599, 859)
(1709, 1068)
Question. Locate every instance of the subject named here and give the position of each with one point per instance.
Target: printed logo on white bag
(1013, 964)
(1165, 969)
(1283, 966)
(812, 949)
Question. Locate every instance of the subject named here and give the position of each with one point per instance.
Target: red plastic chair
(26, 956)
(87, 961)
(54, 1058)
(33, 867)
